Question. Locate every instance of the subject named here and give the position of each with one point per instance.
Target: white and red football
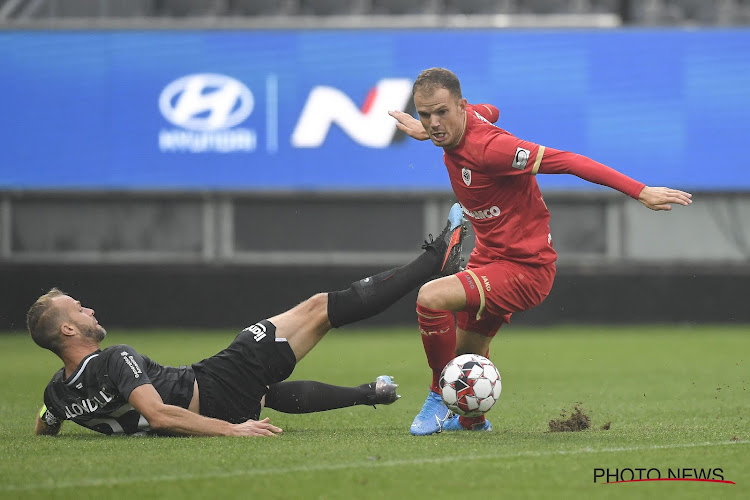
(470, 385)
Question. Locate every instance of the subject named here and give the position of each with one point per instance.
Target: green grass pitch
(676, 396)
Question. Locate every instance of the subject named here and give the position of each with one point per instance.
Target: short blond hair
(433, 79)
(43, 321)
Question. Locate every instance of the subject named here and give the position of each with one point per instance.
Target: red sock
(438, 330)
(469, 422)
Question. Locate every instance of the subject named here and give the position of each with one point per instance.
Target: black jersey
(96, 394)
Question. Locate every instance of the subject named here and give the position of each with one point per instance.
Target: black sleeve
(127, 370)
(50, 415)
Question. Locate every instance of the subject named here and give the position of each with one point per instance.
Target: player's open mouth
(438, 136)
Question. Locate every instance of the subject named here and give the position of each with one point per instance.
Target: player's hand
(409, 125)
(253, 428)
(661, 198)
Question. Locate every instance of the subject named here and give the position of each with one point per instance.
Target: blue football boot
(430, 419)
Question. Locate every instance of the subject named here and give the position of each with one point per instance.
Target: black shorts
(232, 383)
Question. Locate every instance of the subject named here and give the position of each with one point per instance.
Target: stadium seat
(691, 11)
(480, 6)
(702, 12)
(400, 7)
(86, 8)
(680, 12)
(647, 12)
(742, 14)
(187, 8)
(77, 8)
(547, 6)
(333, 7)
(129, 8)
(606, 6)
(261, 7)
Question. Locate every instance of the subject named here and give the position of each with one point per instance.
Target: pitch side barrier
(231, 296)
(255, 253)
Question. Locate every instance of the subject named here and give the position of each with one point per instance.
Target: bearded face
(95, 332)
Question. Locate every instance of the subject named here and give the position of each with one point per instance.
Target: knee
(317, 305)
(429, 296)
(314, 309)
(318, 299)
(444, 294)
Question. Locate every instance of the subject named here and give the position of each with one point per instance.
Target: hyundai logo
(206, 101)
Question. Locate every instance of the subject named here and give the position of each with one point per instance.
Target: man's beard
(93, 332)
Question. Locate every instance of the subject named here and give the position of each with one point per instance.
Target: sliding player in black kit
(116, 390)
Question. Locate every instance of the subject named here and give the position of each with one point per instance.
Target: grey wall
(345, 229)
(223, 259)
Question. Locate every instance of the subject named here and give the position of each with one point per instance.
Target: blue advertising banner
(307, 110)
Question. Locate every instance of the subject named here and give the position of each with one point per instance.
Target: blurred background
(208, 163)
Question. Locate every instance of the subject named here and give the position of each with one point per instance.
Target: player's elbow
(158, 418)
(160, 423)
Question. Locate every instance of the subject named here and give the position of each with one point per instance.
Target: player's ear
(67, 328)
(462, 104)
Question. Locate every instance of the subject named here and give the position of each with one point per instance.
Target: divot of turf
(577, 421)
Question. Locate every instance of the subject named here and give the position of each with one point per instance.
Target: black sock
(307, 396)
(370, 296)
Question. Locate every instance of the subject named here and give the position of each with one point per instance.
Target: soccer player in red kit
(512, 266)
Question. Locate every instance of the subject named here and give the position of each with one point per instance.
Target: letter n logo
(371, 126)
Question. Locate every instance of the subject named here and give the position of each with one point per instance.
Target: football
(470, 385)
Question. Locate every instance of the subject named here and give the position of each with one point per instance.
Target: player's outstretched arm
(661, 198)
(554, 161)
(175, 420)
(409, 125)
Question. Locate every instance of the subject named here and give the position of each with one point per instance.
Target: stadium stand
(479, 6)
(333, 7)
(398, 7)
(187, 8)
(261, 7)
(637, 12)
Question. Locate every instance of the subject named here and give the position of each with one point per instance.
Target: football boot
(430, 419)
(448, 244)
(384, 391)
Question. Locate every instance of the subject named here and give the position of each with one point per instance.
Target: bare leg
(443, 294)
(471, 343)
(304, 325)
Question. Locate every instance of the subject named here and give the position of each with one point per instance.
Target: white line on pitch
(351, 465)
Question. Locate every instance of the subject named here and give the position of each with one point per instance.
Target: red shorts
(497, 288)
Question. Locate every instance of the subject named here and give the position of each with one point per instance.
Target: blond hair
(434, 79)
(43, 321)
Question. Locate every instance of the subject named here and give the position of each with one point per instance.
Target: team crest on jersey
(521, 158)
(466, 176)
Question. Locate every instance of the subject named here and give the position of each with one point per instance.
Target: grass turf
(677, 397)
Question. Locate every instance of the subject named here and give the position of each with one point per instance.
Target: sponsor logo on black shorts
(258, 330)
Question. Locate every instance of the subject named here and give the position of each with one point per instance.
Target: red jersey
(493, 176)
